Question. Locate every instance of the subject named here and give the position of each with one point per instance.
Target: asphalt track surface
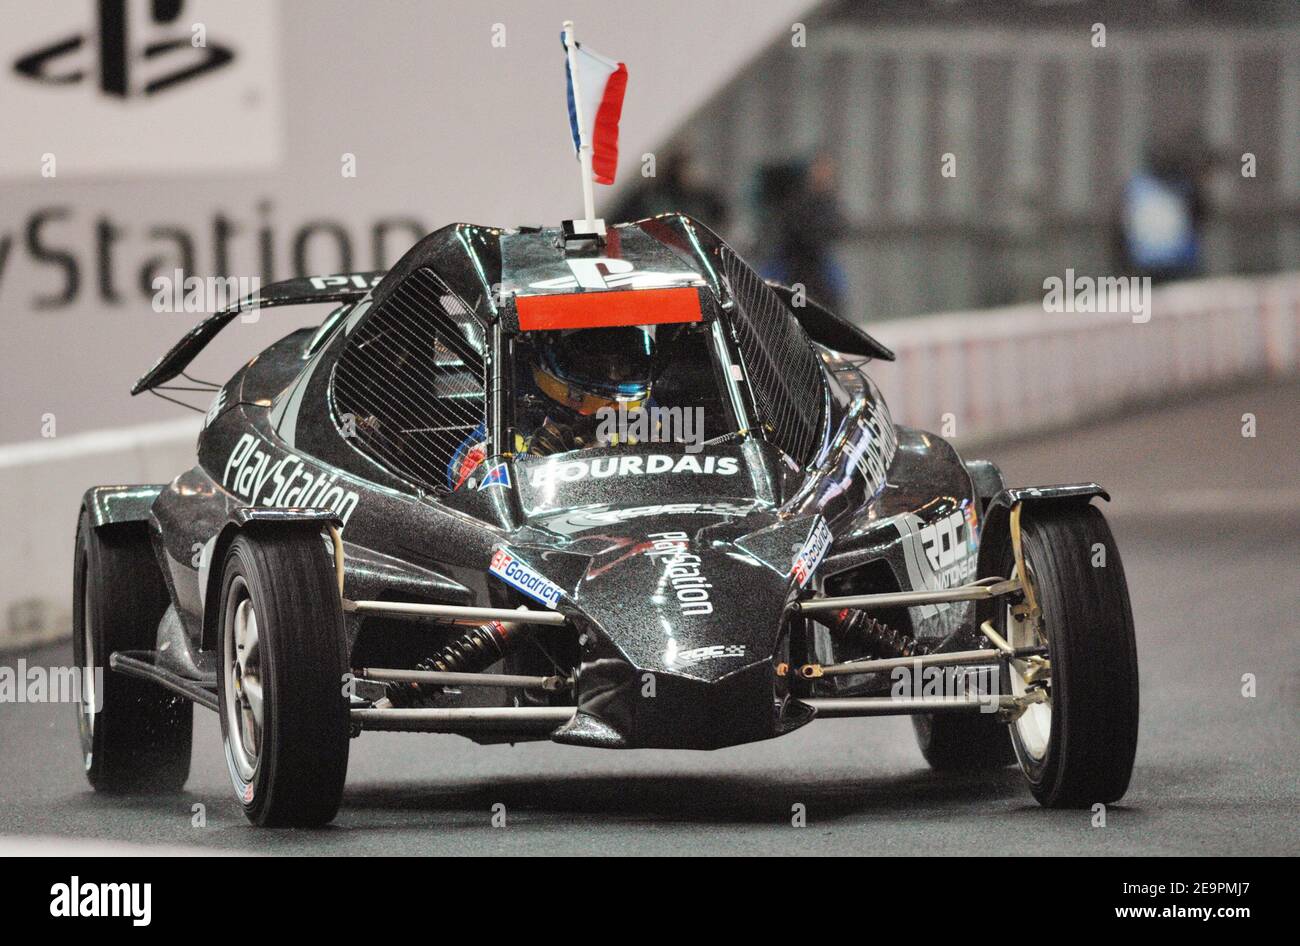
(1208, 523)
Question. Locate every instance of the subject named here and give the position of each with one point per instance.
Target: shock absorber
(860, 631)
(475, 650)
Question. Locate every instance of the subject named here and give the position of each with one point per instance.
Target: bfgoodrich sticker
(812, 553)
(515, 573)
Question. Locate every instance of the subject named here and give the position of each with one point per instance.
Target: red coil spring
(475, 650)
(860, 630)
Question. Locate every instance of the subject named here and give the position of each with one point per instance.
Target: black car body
(679, 572)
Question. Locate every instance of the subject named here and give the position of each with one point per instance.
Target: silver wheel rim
(242, 667)
(1034, 726)
(89, 698)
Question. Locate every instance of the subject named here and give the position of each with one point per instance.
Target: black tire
(960, 743)
(1088, 622)
(297, 773)
(139, 741)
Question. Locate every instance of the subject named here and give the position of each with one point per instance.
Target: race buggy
(611, 490)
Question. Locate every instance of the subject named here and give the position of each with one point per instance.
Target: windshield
(623, 386)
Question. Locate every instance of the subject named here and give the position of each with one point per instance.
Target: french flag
(601, 83)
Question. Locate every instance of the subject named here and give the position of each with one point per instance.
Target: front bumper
(623, 707)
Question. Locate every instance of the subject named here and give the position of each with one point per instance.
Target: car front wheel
(284, 715)
(1077, 739)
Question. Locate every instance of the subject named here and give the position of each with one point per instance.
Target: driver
(580, 374)
(574, 377)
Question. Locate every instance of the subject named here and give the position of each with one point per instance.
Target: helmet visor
(613, 363)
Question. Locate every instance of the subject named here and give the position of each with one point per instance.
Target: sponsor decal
(216, 407)
(682, 572)
(355, 280)
(947, 548)
(972, 529)
(519, 575)
(579, 520)
(689, 658)
(468, 457)
(812, 553)
(133, 900)
(263, 476)
(942, 553)
(498, 475)
(874, 451)
(868, 454)
(604, 272)
(654, 464)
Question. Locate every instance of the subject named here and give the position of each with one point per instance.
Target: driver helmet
(586, 370)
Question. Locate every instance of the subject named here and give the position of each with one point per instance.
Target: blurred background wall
(1045, 127)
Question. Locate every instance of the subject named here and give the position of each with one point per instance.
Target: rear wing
(306, 290)
(826, 328)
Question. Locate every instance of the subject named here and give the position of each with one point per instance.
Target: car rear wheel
(1076, 746)
(135, 736)
(284, 716)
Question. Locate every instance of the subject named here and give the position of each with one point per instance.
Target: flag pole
(584, 146)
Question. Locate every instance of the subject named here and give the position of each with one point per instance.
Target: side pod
(111, 505)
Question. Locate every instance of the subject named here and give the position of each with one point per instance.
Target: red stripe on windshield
(608, 309)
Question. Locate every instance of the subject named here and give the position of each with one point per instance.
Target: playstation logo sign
(139, 88)
(122, 65)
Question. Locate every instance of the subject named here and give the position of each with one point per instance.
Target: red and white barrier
(990, 373)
